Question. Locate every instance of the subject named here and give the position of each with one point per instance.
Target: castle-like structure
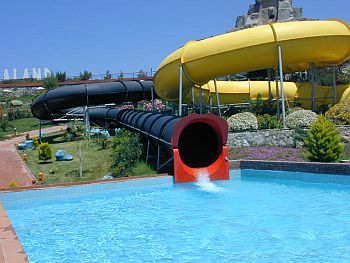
(267, 11)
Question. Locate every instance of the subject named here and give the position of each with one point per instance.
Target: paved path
(12, 168)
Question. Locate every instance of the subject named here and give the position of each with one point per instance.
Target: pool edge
(69, 184)
(306, 167)
(11, 249)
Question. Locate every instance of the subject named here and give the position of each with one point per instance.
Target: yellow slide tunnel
(303, 43)
(235, 92)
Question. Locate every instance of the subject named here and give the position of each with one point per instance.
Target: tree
(323, 141)
(108, 75)
(44, 151)
(86, 75)
(121, 75)
(142, 74)
(50, 82)
(61, 76)
(4, 123)
(127, 150)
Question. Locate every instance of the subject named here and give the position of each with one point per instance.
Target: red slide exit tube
(199, 145)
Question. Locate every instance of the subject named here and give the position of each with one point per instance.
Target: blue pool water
(245, 219)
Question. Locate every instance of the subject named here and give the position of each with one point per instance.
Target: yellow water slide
(303, 43)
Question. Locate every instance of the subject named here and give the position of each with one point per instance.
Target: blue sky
(100, 35)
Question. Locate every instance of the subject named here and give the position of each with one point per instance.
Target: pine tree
(323, 141)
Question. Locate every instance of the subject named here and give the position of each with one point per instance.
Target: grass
(22, 125)
(96, 161)
(141, 168)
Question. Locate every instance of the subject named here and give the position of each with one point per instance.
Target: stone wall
(18, 92)
(280, 138)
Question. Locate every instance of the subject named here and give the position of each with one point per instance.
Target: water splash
(204, 183)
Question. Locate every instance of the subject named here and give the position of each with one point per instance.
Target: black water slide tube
(54, 102)
(199, 143)
(157, 126)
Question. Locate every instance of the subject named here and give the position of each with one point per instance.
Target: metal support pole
(269, 83)
(87, 121)
(148, 149)
(282, 85)
(210, 109)
(87, 114)
(313, 93)
(334, 85)
(158, 158)
(192, 93)
(152, 97)
(200, 100)
(180, 91)
(217, 97)
(277, 96)
(40, 131)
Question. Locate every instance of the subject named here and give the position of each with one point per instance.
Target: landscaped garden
(98, 157)
(257, 135)
(16, 116)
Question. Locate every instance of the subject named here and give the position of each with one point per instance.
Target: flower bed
(268, 153)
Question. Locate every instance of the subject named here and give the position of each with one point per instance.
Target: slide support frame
(180, 91)
(313, 91)
(280, 63)
(217, 97)
(277, 95)
(334, 85)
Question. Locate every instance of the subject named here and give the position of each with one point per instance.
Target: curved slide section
(55, 102)
(235, 92)
(324, 43)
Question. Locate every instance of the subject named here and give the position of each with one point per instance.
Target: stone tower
(266, 11)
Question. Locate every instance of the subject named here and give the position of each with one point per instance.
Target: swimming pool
(254, 217)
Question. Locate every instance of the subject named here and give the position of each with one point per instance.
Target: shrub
(127, 150)
(50, 82)
(35, 142)
(157, 105)
(13, 184)
(340, 113)
(242, 122)
(75, 130)
(267, 121)
(104, 143)
(259, 106)
(4, 124)
(323, 141)
(300, 119)
(294, 109)
(44, 151)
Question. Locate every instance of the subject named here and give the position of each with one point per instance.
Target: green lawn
(96, 161)
(22, 125)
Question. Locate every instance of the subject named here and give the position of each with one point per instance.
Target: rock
(60, 155)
